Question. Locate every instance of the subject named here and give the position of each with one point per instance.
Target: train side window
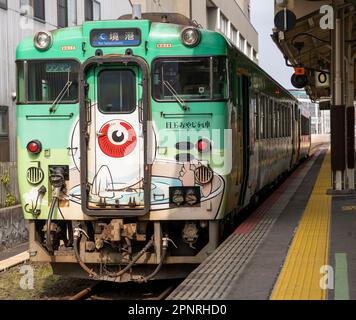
(262, 117)
(281, 121)
(287, 121)
(21, 87)
(257, 117)
(269, 119)
(284, 121)
(305, 123)
(290, 121)
(289, 118)
(266, 118)
(278, 113)
(272, 119)
(276, 122)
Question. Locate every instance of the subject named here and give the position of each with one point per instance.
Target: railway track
(152, 291)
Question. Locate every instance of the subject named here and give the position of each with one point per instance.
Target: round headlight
(178, 197)
(43, 40)
(191, 197)
(191, 37)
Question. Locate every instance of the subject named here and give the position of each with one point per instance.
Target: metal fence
(9, 190)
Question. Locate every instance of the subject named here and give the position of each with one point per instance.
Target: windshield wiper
(61, 95)
(176, 95)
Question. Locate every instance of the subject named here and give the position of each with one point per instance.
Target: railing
(9, 190)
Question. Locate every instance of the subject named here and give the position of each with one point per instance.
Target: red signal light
(299, 71)
(34, 147)
(204, 146)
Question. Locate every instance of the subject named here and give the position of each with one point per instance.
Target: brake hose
(158, 269)
(91, 272)
(57, 181)
(55, 200)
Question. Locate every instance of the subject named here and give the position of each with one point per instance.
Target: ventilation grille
(204, 175)
(35, 175)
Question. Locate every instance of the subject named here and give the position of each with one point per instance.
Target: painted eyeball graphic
(117, 139)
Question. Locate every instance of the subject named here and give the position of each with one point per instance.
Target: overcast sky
(271, 59)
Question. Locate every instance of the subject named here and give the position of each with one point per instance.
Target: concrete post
(350, 111)
(338, 110)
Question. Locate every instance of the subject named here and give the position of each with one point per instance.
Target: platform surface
(13, 257)
(298, 245)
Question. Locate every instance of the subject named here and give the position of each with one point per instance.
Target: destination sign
(115, 37)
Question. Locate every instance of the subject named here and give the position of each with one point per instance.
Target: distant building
(320, 120)
(231, 17)
(22, 18)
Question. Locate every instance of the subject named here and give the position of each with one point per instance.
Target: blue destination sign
(115, 37)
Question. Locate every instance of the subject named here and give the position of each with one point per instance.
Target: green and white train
(139, 141)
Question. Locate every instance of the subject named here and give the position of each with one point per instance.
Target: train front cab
(111, 189)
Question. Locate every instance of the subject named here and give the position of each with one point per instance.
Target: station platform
(14, 256)
(300, 244)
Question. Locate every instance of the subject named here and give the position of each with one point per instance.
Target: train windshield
(193, 79)
(48, 81)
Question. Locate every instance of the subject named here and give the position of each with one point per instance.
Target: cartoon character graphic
(117, 139)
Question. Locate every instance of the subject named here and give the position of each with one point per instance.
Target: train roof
(150, 22)
(166, 17)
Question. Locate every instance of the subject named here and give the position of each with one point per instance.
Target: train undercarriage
(119, 250)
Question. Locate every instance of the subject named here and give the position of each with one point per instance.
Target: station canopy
(310, 45)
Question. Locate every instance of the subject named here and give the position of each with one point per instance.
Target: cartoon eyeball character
(117, 139)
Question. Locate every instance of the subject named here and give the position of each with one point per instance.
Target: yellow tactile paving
(300, 276)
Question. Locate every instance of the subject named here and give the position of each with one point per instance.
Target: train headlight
(191, 197)
(43, 40)
(191, 37)
(178, 197)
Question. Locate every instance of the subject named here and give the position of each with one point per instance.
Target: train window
(281, 121)
(305, 126)
(260, 117)
(117, 91)
(268, 119)
(191, 79)
(257, 118)
(4, 121)
(20, 82)
(288, 116)
(278, 121)
(3, 4)
(285, 120)
(271, 120)
(55, 80)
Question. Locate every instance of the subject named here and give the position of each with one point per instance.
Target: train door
(116, 178)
